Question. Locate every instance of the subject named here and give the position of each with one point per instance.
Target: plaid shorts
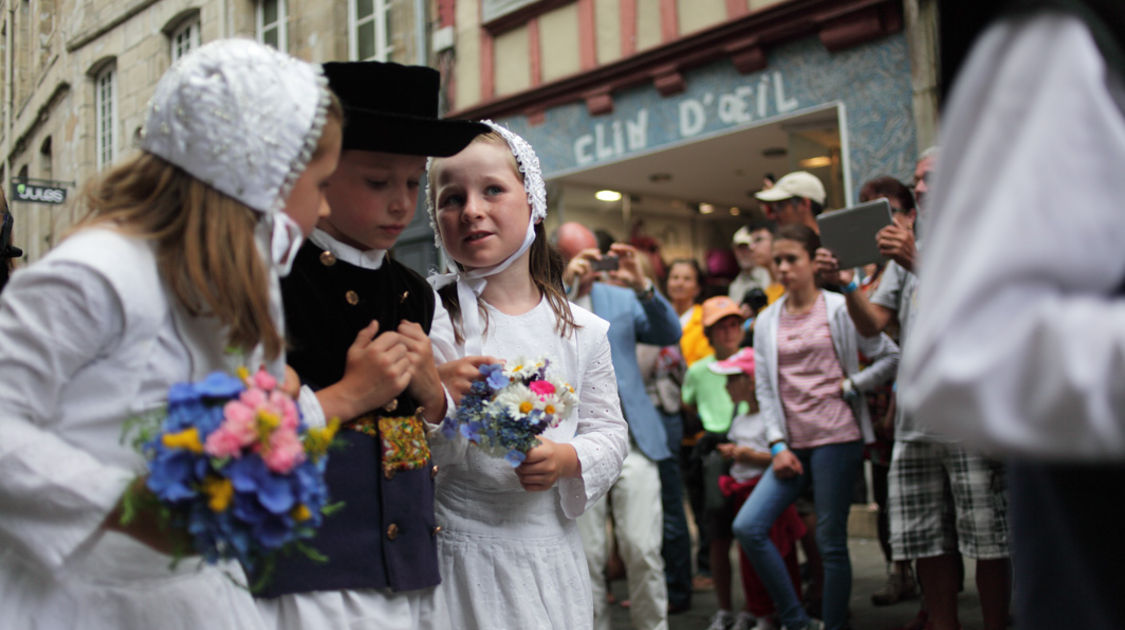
(942, 499)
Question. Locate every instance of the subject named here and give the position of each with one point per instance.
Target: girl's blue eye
(449, 201)
(493, 190)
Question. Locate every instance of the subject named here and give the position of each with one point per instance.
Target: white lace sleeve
(602, 437)
(54, 495)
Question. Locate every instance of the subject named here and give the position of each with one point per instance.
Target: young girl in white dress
(177, 260)
(509, 549)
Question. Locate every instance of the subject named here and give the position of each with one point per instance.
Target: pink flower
(253, 398)
(223, 443)
(285, 408)
(285, 451)
(264, 380)
(239, 420)
(542, 388)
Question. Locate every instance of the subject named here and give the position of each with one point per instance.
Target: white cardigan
(847, 342)
(88, 339)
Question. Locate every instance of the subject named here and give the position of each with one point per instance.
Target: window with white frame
(271, 18)
(185, 38)
(369, 33)
(105, 106)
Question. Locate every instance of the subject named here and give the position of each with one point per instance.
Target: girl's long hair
(545, 262)
(204, 240)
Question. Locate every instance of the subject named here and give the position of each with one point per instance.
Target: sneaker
(744, 621)
(899, 587)
(722, 620)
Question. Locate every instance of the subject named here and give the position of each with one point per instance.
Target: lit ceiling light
(816, 162)
(706, 208)
(734, 212)
(607, 195)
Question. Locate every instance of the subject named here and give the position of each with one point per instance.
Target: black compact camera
(606, 263)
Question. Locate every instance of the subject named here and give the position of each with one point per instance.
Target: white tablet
(850, 233)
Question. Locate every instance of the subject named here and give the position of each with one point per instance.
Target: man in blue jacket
(636, 314)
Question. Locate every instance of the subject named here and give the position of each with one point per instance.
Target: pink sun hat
(739, 362)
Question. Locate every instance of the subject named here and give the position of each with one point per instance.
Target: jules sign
(37, 193)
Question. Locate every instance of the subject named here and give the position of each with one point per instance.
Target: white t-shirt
(748, 429)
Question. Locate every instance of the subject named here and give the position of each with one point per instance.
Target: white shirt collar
(370, 259)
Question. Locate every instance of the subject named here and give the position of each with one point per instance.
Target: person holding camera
(636, 314)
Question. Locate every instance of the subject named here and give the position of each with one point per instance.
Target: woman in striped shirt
(808, 387)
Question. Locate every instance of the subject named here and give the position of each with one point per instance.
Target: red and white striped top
(809, 376)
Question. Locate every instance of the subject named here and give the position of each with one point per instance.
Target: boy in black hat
(358, 324)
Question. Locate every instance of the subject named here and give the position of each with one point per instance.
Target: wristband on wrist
(648, 292)
(849, 287)
(777, 447)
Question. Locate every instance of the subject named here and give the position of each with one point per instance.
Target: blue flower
(220, 385)
(449, 428)
(494, 376)
(515, 458)
(170, 475)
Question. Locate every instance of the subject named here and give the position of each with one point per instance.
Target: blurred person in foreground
(1019, 346)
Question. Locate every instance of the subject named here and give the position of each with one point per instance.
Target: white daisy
(518, 399)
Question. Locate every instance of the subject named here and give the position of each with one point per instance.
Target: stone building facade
(76, 75)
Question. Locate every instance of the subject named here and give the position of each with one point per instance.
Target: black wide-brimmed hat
(393, 108)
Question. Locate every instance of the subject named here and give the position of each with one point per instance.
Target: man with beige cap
(796, 198)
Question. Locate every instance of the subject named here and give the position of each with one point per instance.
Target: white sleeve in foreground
(602, 438)
(1019, 344)
(54, 495)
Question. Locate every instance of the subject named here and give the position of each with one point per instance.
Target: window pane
(269, 37)
(363, 8)
(365, 37)
(269, 11)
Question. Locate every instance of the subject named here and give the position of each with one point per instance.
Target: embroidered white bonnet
(527, 162)
(471, 282)
(241, 117)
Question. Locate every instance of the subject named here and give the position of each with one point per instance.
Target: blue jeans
(832, 470)
(677, 538)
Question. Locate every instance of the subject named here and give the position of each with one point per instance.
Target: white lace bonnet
(244, 119)
(472, 281)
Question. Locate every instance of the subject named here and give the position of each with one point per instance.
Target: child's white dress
(88, 339)
(511, 558)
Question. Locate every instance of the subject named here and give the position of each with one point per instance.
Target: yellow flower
(243, 374)
(268, 420)
(549, 409)
(526, 407)
(317, 439)
(187, 439)
(301, 513)
(221, 492)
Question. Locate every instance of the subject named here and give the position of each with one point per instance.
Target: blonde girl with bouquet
(509, 549)
(177, 261)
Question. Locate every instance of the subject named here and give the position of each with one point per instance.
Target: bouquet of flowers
(508, 407)
(232, 463)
